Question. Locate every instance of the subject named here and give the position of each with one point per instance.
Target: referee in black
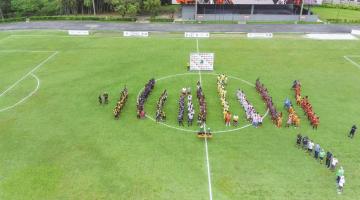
(352, 131)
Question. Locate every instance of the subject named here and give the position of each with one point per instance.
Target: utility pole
(196, 10)
(301, 10)
(93, 1)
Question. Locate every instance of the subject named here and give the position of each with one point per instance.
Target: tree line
(20, 8)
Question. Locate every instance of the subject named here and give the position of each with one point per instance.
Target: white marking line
(25, 98)
(205, 141)
(351, 61)
(29, 73)
(208, 168)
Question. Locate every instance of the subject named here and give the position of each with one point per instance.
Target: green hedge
(344, 21)
(18, 19)
(80, 18)
(161, 20)
(342, 6)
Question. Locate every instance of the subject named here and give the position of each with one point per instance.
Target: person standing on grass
(352, 131)
(334, 162)
(298, 140)
(328, 159)
(341, 184)
(227, 118)
(190, 118)
(310, 146)
(340, 172)
(236, 120)
(322, 155)
(317, 151)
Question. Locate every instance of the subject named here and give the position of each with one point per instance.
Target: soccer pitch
(57, 142)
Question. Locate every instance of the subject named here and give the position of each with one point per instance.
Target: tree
(152, 6)
(126, 7)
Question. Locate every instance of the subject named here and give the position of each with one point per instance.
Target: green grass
(60, 144)
(336, 13)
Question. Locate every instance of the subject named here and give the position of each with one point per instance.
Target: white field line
(29, 73)
(25, 51)
(25, 98)
(351, 61)
(205, 141)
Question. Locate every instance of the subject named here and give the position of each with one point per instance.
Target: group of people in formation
(305, 105)
(251, 115)
(160, 113)
(202, 104)
(120, 103)
(293, 118)
(331, 162)
(276, 117)
(221, 84)
(143, 97)
(186, 94)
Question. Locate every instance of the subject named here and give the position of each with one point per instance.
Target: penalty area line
(351, 61)
(25, 98)
(29, 73)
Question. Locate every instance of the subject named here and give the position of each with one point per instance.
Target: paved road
(162, 27)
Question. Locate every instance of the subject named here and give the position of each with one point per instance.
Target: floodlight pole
(196, 10)
(93, 1)
(301, 10)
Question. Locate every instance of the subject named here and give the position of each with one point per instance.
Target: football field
(57, 142)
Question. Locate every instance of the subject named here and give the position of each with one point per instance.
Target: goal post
(202, 61)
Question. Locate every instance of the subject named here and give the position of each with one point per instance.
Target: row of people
(181, 109)
(305, 105)
(143, 97)
(121, 103)
(251, 114)
(318, 153)
(190, 109)
(275, 116)
(202, 104)
(221, 83)
(160, 113)
(293, 118)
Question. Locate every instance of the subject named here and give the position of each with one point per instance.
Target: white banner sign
(202, 61)
(78, 32)
(355, 32)
(197, 34)
(259, 35)
(136, 34)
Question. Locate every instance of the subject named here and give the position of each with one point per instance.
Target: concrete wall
(255, 17)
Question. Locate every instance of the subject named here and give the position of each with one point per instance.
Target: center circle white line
(195, 131)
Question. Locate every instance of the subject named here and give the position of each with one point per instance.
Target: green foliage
(342, 6)
(153, 19)
(152, 6)
(126, 7)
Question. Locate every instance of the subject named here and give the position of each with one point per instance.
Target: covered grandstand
(247, 10)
